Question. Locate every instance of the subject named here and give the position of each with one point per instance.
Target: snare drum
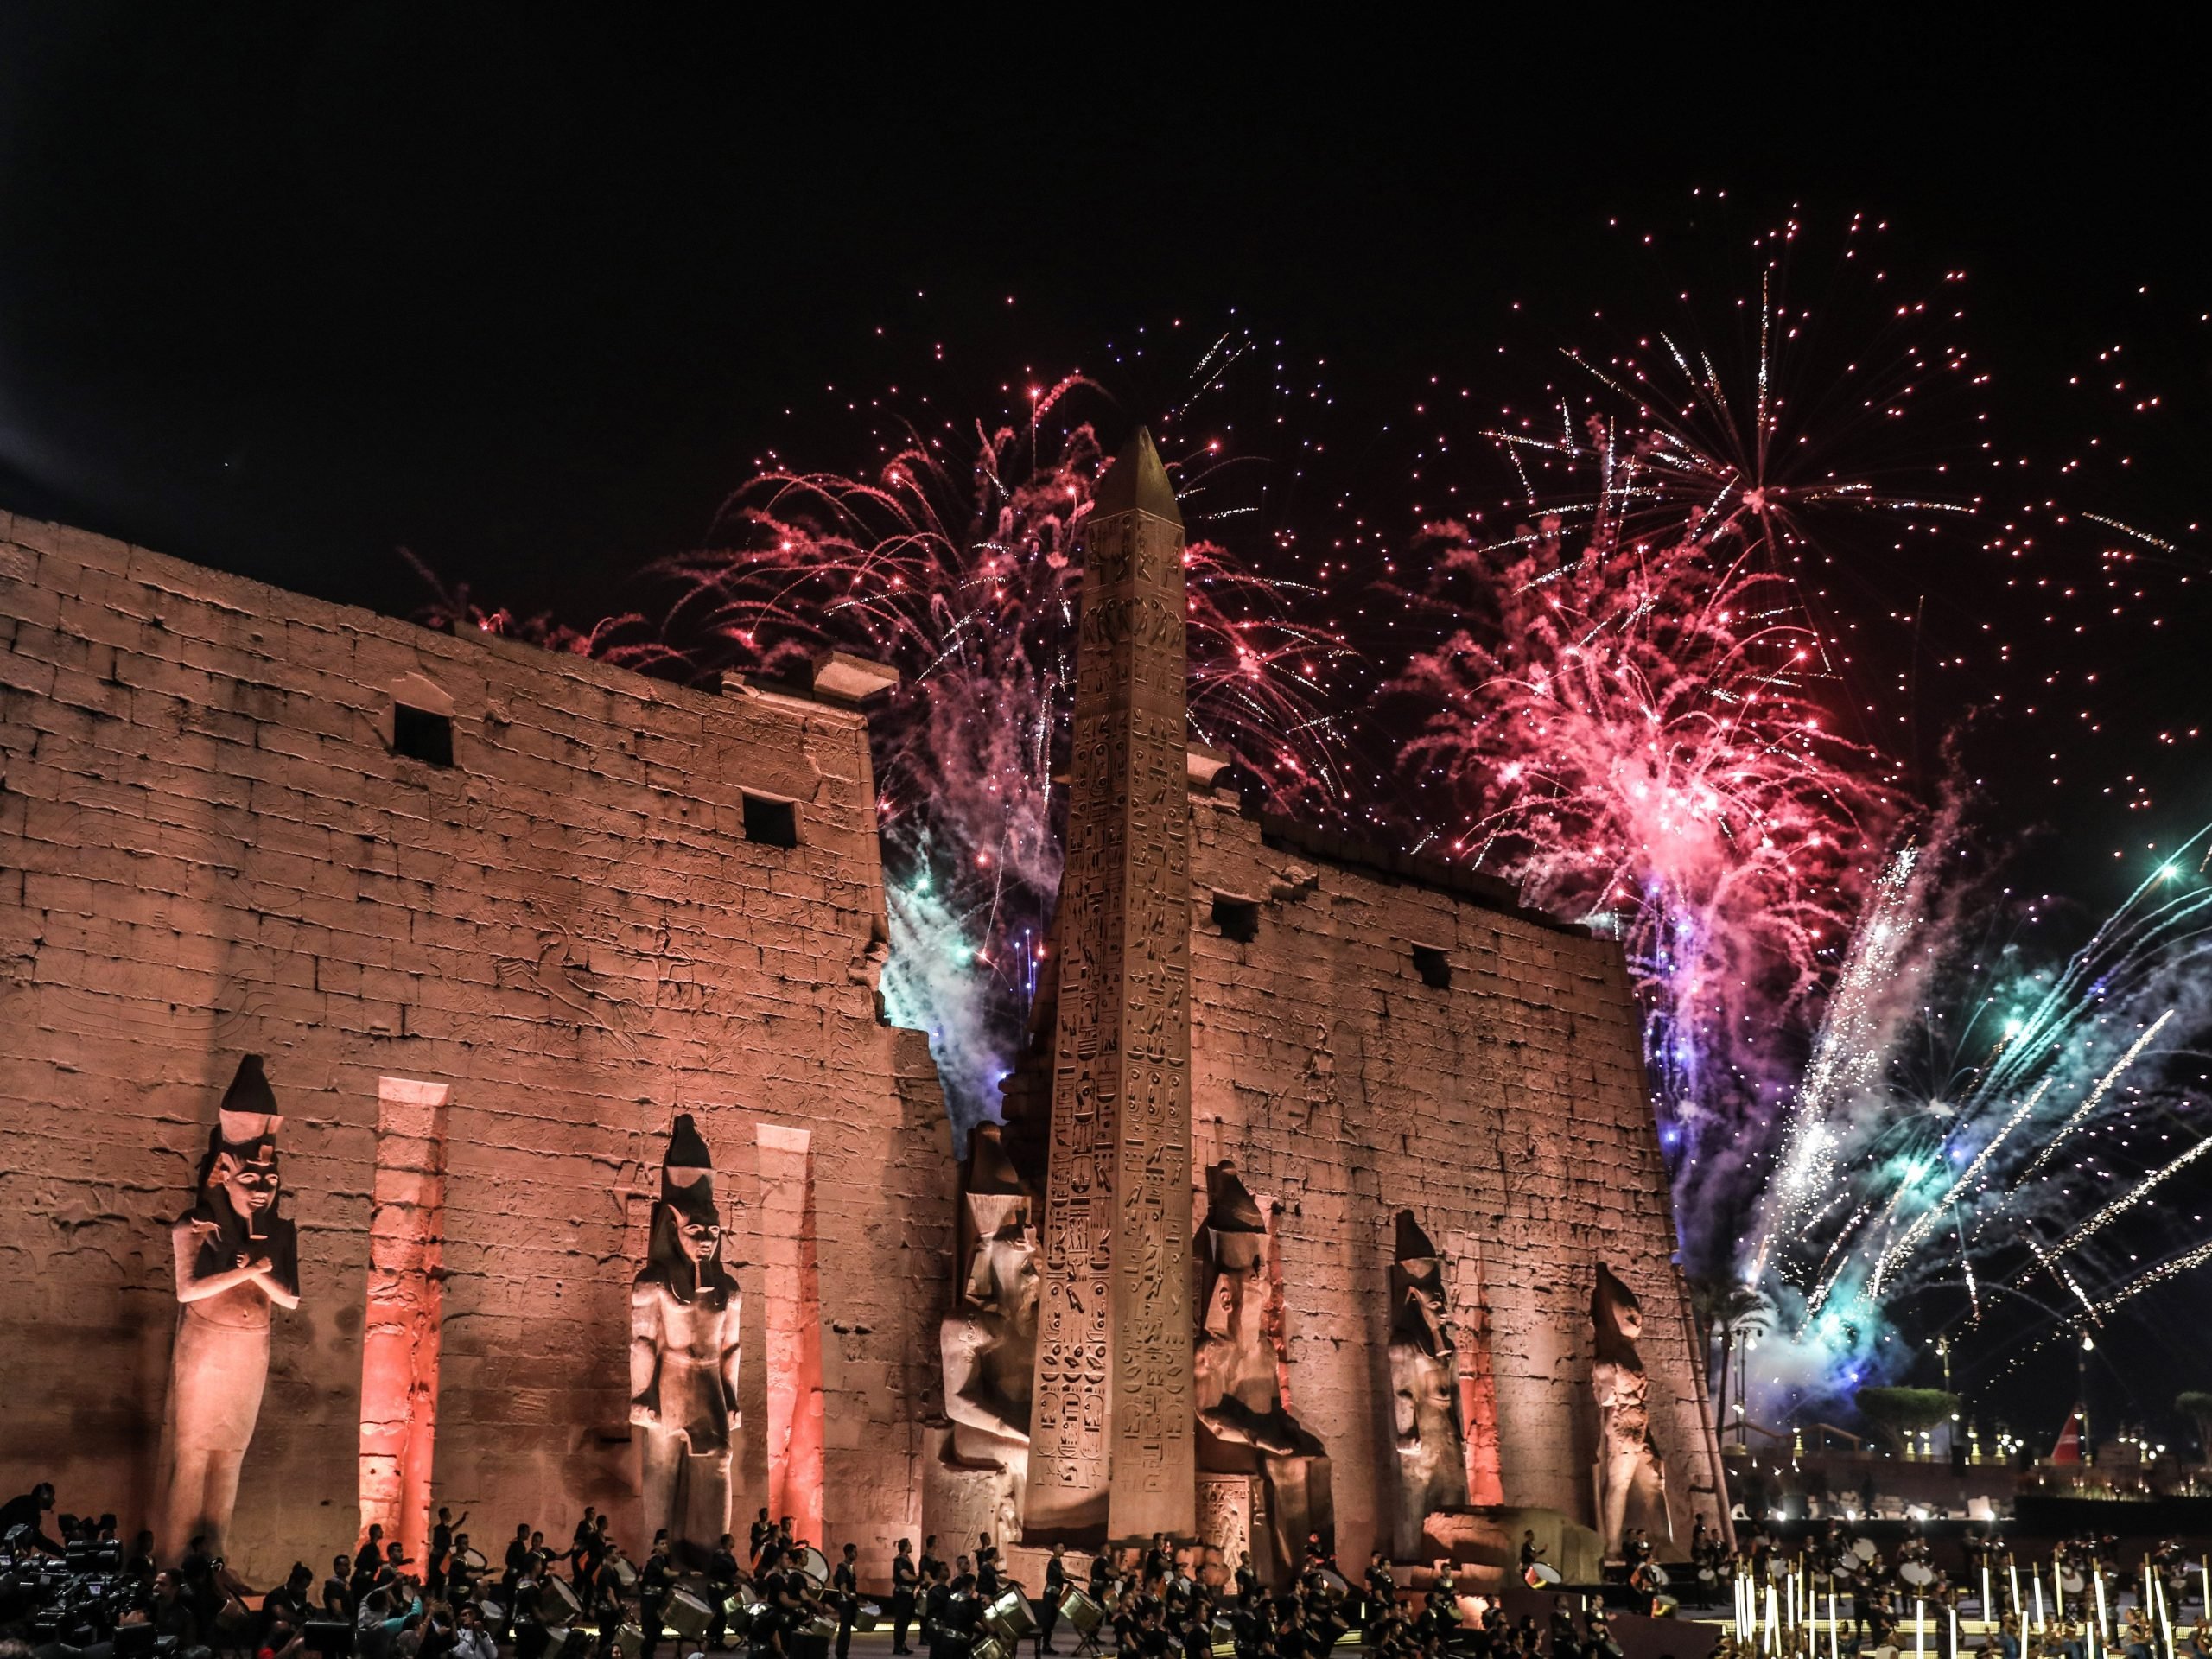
(630, 1641)
(1082, 1614)
(986, 1647)
(1540, 1575)
(866, 1616)
(687, 1616)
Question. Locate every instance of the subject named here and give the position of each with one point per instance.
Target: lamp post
(2082, 1398)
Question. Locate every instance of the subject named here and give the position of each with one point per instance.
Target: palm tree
(1733, 1311)
(2198, 1405)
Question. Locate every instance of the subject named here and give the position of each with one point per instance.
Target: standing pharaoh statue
(989, 1342)
(236, 1258)
(1424, 1389)
(1627, 1462)
(1244, 1428)
(683, 1325)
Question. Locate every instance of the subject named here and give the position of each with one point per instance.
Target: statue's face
(249, 1184)
(1425, 1294)
(1014, 1282)
(1630, 1318)
(698, 1240)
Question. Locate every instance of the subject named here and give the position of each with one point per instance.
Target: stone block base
(960, 1500)
(1483, 1545)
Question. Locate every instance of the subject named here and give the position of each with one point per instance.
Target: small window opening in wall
(770, 821)
(1435, 969)
(421, 734)
(1237, 918)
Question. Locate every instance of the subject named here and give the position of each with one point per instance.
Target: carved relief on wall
(1425, 1406)
(236, 1258)
(683, 1352)
(1629, 1464)
(1244, 1424)
(989, 1342)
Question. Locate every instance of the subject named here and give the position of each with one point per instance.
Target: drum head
(1333, 1580)
(1863, 1549)
(813, 1564)
(1542, 1575)
(1706, 1576)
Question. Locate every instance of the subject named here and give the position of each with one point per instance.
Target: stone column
(1111, 1445)
(400, 1339)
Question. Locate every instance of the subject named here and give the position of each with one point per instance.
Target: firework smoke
(1978, 1130)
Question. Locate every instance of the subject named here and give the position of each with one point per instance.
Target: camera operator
(29, 1509)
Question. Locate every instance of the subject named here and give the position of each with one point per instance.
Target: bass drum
(1918, 1574)
(556, 1603)
(814, 1566)
(1864, 1549)
(1540, 1575)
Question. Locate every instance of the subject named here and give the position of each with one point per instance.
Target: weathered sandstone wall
(208, 848)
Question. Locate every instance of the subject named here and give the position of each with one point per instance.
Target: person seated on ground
(337, 1590)
(282, 1640)
(168, 1609)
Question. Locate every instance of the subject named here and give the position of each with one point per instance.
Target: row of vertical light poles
(1781, 1615)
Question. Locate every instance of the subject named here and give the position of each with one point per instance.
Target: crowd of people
(76, 1591)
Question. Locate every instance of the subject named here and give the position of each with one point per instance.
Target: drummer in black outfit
(1381, 1591)
(655, 1580)
(906, 1585)
(722, 1585)
(845, 1594)
(1055, 1587)
(938, 1634)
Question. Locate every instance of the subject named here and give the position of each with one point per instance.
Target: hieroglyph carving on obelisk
(1111, 1442)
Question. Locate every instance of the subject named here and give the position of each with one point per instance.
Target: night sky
(528, 292)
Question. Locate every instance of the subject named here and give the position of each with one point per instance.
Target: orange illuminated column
(1477, 1386)
(399, 1349)
(791, 1328)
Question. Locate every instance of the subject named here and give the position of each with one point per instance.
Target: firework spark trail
(1920, 1228)
(2128, 1201)
(1847, 1054)
(2091, 1100)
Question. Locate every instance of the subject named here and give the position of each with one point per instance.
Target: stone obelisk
(1111, 1442)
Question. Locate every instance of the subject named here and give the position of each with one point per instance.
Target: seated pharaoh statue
(1244, 1428)
(989, 1342)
